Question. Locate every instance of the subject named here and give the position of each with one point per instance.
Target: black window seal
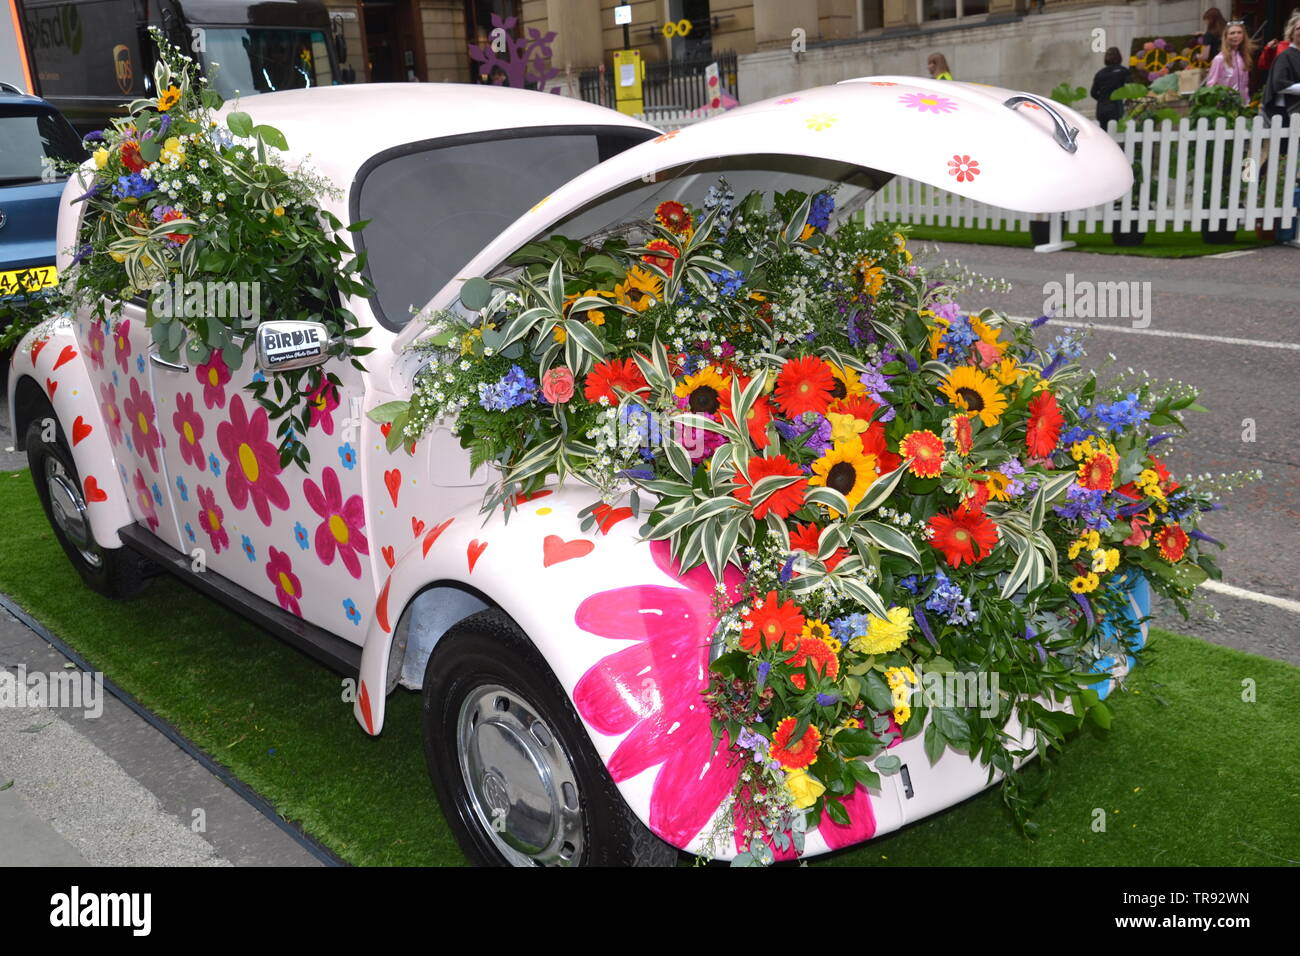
(637, 134)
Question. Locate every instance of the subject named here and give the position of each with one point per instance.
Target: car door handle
(163, 363)
(1064, 132)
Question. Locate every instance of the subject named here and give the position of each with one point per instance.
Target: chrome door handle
(163, 363)
(1065, 133)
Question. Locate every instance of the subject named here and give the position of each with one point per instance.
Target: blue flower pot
(1134, 583)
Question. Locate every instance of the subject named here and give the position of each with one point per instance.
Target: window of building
(952, 9)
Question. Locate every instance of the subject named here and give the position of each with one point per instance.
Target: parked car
(480, 615)
(32, 132)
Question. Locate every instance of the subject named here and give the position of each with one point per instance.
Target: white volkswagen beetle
(550, 739)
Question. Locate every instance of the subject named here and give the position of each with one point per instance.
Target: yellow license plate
(28, 280)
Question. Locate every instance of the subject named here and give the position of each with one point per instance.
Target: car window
(432, 207)
(26, 139)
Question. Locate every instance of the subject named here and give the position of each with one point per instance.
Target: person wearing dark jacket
(1284, 73)
(1109, 79)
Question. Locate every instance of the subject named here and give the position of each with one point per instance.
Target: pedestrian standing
(937, 64)
(1278, 97)
(1109, 79)
(1232, 65)
(1213, 36)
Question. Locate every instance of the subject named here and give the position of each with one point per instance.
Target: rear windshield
(265, 59)
(28, 139)
(433, 207)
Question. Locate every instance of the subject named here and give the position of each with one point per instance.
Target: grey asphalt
(115, 790)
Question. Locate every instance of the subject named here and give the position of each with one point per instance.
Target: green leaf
(934, 743)
(880, 491)
(271, 137)
(876, 692)
(241, 124)
(475, 293)
(888, 764)
(835, 810)
(863, 774)
(387, 412)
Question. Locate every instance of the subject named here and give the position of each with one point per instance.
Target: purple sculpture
(524, 63)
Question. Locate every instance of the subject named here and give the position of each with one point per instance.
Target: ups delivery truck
(90, 57)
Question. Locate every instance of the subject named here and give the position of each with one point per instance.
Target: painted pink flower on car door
(343, 523)
(651, 692)
(144, 430)
(189, 426)
(252, 462)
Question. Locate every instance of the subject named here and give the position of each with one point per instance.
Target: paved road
(1255, 297)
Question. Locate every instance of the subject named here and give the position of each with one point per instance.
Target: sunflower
(707, 392)
(964, 536)
(1084, 583)
(771, 624)
(804, 385)
(815, 650)
(847, 383)
(1044, 427)
(996, 483)
(846, 469)
(782, 502)
(639, 289)
(796, 754)
(674, 217)
(925, 448)
(819, 631)
(1172, 541)
(975, 393)
(168, 98)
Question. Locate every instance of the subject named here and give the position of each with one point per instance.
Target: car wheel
(114, 572)
(517, 776)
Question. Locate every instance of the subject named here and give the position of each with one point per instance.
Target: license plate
(28, 280)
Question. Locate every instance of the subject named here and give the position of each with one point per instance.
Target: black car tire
(488, 694)
(114, 572)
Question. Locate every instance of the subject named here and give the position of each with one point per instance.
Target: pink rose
(1141, 532)
(557, 385)
(989, 354)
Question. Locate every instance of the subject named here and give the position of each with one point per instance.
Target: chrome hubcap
(521, 785)
(68, 508)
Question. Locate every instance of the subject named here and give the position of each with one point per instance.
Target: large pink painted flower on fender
(122, 345)
(97, 341)
(252, 462)
(288, 589)
(652, 691)
(189, 426)
(322, 401)
(144, 430)
(211, 520)
(343, 523)
(112, 417)
(144, 500)
(213, 376)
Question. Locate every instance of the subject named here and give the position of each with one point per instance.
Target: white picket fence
(1164, 202)
(668, 120)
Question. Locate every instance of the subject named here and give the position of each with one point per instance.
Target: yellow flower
(279, 210)
(118, 257)
(1084, 583)
(168, 98)
(884, 634)
(1099, 561)
(807, 233)
(846, 469)
(1091, 539)
(902, 714)
(847, 382)
(987, 333)
(1075, 548)
(997, 484)
(173, 150)
(804, 788)
(639, 289)
(975, 393)
(1112, 559)
(1007, 372)
(845, 427)
(818, 631)
(820, 121)
(101, 158)
(873, 277)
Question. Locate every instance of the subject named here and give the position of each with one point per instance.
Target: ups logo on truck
(122, 68)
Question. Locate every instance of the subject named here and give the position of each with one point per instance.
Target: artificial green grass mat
(1190, 774)
(1161, 245)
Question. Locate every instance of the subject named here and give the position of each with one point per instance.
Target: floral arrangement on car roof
(177, 198)
(905, 486)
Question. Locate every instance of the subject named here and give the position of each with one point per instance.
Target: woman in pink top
(1231, 66)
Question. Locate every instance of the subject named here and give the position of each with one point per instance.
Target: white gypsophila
(221, 197)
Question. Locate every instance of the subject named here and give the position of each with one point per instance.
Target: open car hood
(993, 145)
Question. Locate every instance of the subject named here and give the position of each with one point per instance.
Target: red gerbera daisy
(1044, 428)
(859, 406)
(1167, 484)
(807, 538)
(673, 216)
(925, 448)
(873, 443)
(784, 501)
(1172, 540)
(964, 536)
(978, 498)
(805, 385)
(963, 436)
(794, 755)
(1097, 473)
(131, 157)
(606, 376)
(772, 624)
(820, 653)
(666, 259)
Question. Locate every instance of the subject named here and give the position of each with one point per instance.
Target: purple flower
(826, 700)
(787, 571)
(90, 193)
(1087, 610)
(96, 136)
(924, 625)
(1040, 321)
(763, 668)
(1201, 536)
(83, 254)
(1157, 439)
(911, 362)
(164, 124)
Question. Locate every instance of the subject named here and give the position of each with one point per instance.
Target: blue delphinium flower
(1122, 414)
(514, 389)
(728, 281)
(845, 629)
(819, 213)
(827, 700)
(1087, 505)
(132, 187)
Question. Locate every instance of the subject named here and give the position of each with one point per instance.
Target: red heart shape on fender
(80, 430)
(416, 526)
(555, 549)
(50, 386)
(476, 548)
(385, 428)
(36, 349)
(432, 536)
(66, 356)
(390, 556)
(607, 517)
(393, 480)
(364, 700)
(93, 491)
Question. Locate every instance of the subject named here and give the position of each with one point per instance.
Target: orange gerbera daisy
(807, 538)
(1172, 541)
(674, 217)
(758, 418)
(616, 373)
(781, 503)
(1097, 473)
(857, 405)
(873, 443)
(1044, 428)
(925, 448)
(796, 754)
(805, 385)
(667, 254)
(772, 624)
(817, 651)
(964, 536)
